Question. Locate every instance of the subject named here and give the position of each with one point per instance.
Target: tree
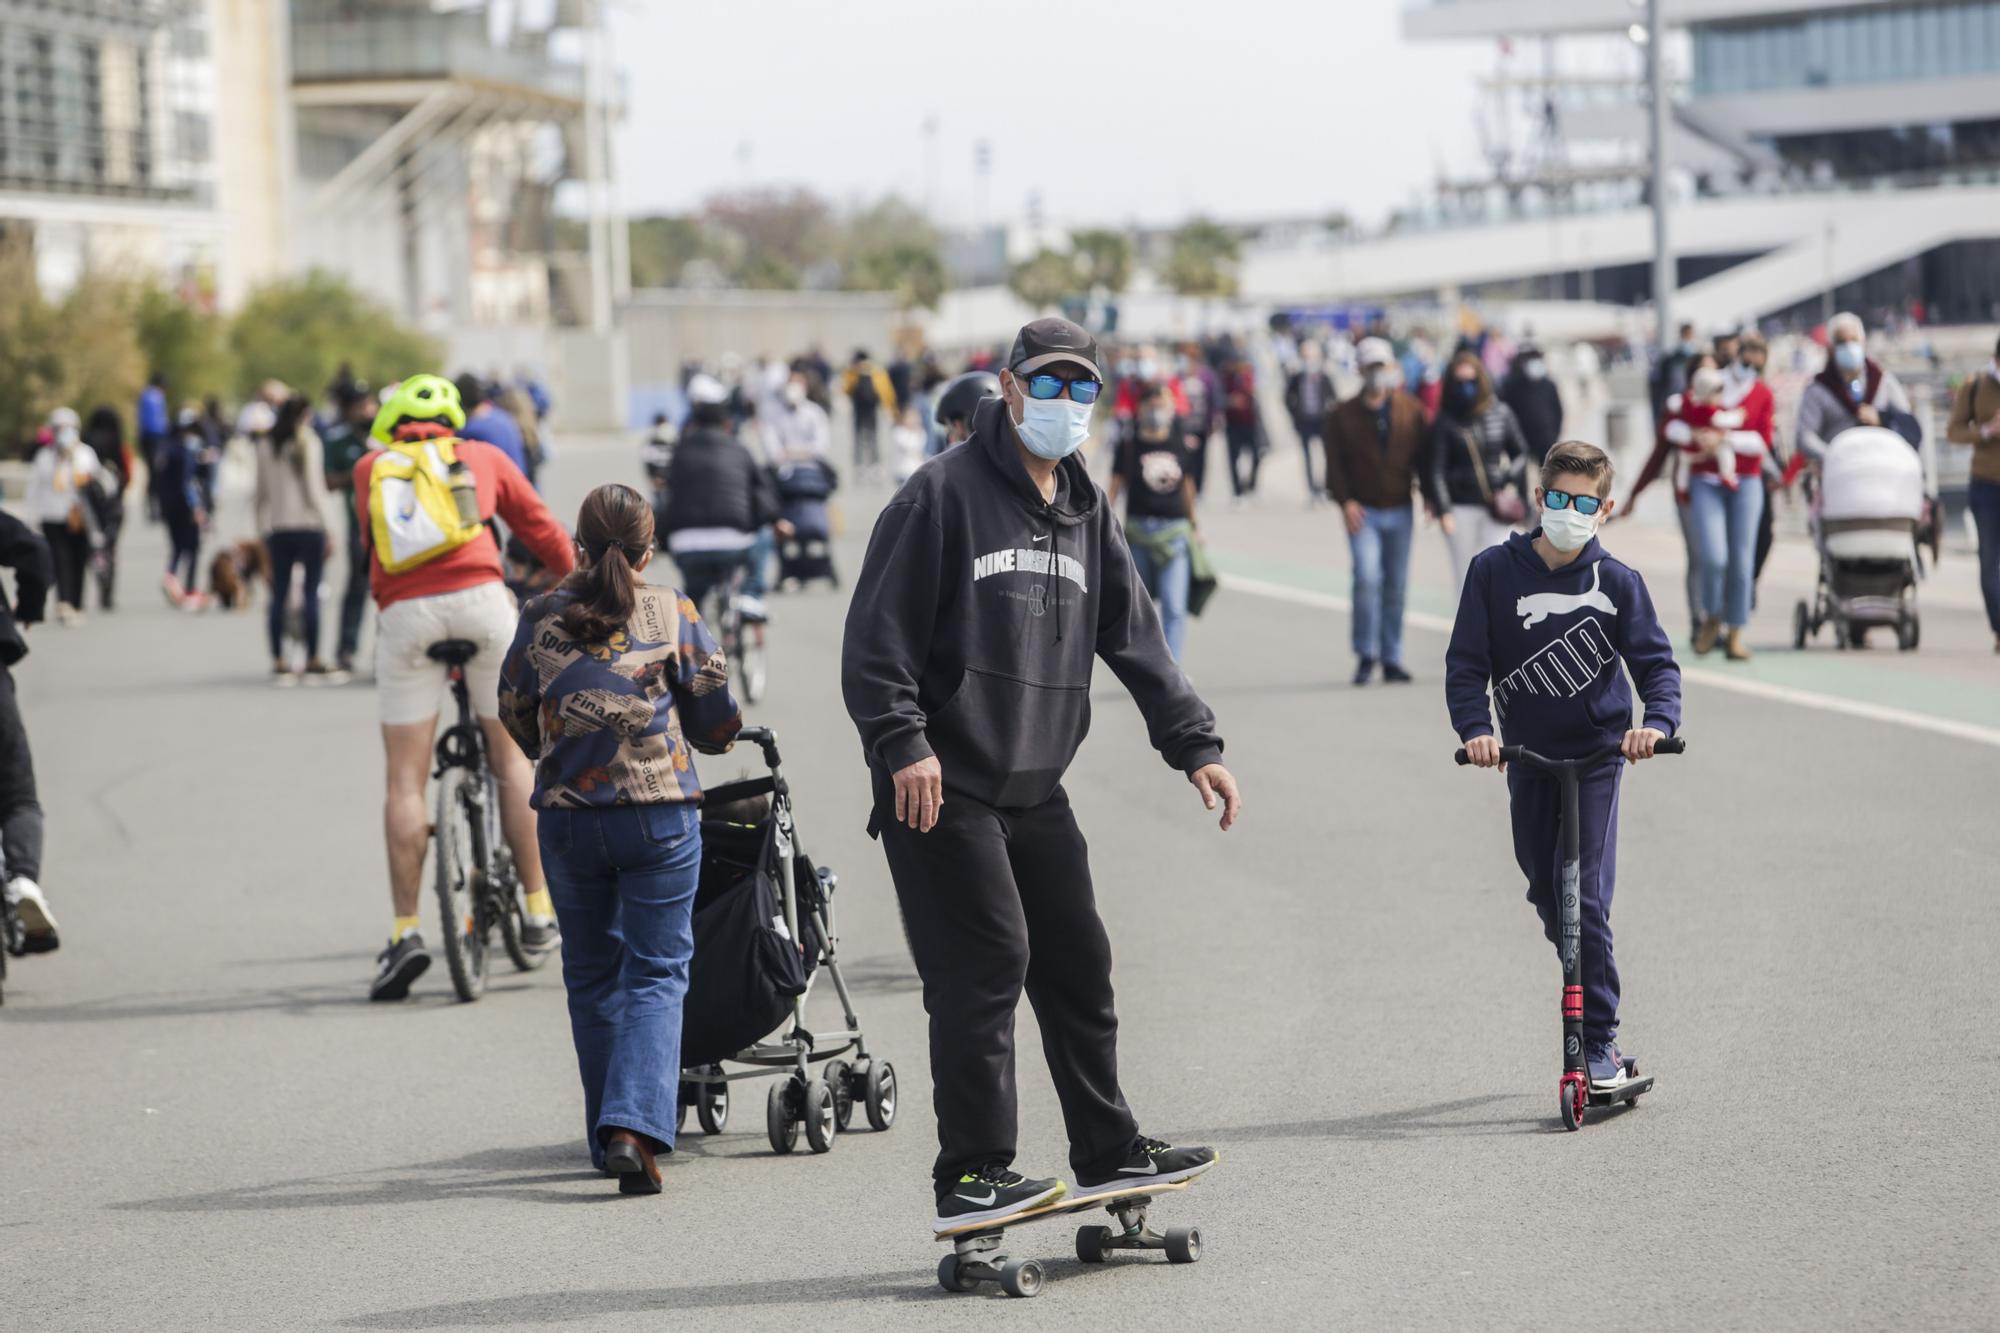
(775, 234)
(98, 350)
(1104, 259)
(890, 246)
(663, 246)
(1202, 260)
(189, 346)
(301, 331)
(30, 358)
(1046, 279)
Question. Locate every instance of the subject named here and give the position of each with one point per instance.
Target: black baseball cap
(1046, 342)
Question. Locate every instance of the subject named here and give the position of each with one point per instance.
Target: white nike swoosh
(1044, 537)
(991, 1196)
(1151, 1168)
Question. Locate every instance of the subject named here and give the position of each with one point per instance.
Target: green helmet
(418, 398)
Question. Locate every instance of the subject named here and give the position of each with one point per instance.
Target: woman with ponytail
(610, 684)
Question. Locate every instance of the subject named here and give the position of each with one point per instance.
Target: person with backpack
(424, 497)
(870, 394)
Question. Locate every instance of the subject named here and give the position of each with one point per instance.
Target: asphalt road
(207, 1125)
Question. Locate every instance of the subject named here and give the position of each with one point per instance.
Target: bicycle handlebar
(1510, 754)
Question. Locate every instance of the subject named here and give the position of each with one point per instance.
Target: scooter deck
(1624, 1092)
(1064, 1207)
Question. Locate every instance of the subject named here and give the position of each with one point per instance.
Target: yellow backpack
(422, 503)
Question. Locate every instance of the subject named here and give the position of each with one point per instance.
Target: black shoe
(539, 933)
(1363, 670)
(992, 1194)
(1393, 673)
(1151, 1163)
(401, 963)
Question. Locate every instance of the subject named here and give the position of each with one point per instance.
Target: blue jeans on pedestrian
(1725, 538)
(623, 880)
(1168, 583)
(1381, 555)
(1983, 499)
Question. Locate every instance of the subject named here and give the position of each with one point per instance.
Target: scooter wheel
(1572, 1112)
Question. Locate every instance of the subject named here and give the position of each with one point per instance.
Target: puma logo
(1538, 607)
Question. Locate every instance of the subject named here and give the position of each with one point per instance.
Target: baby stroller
(763, 928)
(1866, 523)
(804, 486)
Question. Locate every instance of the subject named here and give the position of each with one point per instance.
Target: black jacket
(1539, 409)
(976, 618)
(22, 550)
(714, 482)
(1309, 423)
(1446, 472)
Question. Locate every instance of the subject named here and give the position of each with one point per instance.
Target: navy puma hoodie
(976, 619)
(1553, 645)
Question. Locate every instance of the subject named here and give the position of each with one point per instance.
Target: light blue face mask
(1849, 357)
(1054, 429)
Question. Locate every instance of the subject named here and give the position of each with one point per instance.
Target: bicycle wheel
(455, 873)
(750, 659)
(505, 903)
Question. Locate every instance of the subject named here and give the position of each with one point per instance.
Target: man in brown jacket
(1975, 420)
(1371, 444)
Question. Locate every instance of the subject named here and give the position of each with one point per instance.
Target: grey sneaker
(1151, 1162)
(991, 1194)
(399, 965)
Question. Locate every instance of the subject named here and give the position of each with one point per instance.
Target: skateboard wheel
(840, 1077)
(711, 1105)
(1183, 1245)
(1090, 1243)
(952, 1277)
(819, 1116)
(1021, 1277)
(778, 1122)
(879, 1097)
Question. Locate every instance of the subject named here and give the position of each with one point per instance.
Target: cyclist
(22, 550)
(450, 589)
(718, 500)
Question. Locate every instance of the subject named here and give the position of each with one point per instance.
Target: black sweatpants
(994, 901)
(71, 554)
(20, 811)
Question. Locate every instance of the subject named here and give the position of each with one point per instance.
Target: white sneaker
(753, 609)
(37, 921)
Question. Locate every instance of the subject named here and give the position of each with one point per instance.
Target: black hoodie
(961, 641)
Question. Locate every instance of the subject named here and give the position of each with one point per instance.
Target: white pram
(1865, 523)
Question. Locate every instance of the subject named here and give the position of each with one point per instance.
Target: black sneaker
(401, 963)
(992, 1194)
(1363, 669)
(539, 933)
(1151, 1163)
(1393, 673)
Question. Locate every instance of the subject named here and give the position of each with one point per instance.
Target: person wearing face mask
(1308, 399)
(1975, 420)
(58, 499)
(1547, 631)
(1471, 467)
(793, 425)
(1372, 443)
(1152, 470)
(1536, 404)
(1852, 389)
(1670, 375)
(993, 579)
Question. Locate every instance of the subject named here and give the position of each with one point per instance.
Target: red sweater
(1759, 409)
(503, 491)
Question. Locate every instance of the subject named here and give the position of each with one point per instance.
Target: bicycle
(745, 651)
(473, 872)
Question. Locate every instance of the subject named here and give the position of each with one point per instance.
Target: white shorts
(410, 685)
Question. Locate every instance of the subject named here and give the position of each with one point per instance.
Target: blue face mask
(1466, 391)
(1054, 429)
(1849, 357)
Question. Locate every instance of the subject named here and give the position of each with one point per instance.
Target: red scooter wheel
(1573, 1093)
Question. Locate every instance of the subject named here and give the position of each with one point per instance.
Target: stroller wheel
(840, 1078)
(1907, 633)
(819, 1116)
(880, 1096)
(711, 1105)
(1801, 624)
(779, 1122)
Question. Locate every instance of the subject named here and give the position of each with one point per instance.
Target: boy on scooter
(1551, 623)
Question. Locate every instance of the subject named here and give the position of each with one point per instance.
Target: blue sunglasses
(1585, 504)
(1047, 387)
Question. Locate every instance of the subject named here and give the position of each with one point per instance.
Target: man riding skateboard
(993, 578)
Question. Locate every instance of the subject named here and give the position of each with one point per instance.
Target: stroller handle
(765, 739)
(1512, 754)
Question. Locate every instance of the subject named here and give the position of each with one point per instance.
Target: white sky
(1113, 110)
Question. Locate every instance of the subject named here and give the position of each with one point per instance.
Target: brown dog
(236, 571)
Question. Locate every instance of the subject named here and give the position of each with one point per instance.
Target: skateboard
(978, 1253)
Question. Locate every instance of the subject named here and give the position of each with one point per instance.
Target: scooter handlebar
(1511, 754)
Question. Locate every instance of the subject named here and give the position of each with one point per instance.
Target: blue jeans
(1725, 539)
(1167, 583)
(703, 572)
(1983, 499)
(623, 880)
(1381, 554)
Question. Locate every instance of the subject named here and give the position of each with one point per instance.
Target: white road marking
(1825, 703)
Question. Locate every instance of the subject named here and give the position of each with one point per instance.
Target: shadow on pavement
(881, 974)
(299, 1000)
(1423, 1122)
(551, 1307)
(500, 1173)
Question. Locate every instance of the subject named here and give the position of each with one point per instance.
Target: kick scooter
(1574, 1092)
